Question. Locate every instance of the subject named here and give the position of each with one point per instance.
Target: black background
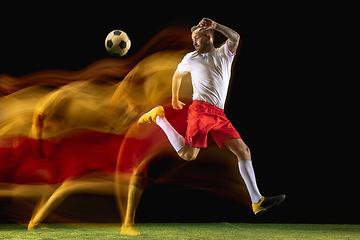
(277, 101)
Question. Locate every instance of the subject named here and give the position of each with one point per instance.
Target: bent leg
(187, 153)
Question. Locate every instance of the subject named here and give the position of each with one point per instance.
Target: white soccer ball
(117, 43)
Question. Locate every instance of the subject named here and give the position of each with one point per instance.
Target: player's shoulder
(224, 51)
(192, 54)
(220, 49)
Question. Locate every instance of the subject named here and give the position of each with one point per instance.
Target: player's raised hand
(177, 105)
(207, 23)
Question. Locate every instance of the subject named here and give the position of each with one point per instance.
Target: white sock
(247, 173)
(176, 140)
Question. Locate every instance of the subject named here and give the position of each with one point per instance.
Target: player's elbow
(237, 37)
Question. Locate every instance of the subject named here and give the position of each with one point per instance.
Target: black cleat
(266, 204)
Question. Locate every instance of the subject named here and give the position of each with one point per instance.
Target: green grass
(184, 231)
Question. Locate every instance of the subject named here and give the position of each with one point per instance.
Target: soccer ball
(117, 43)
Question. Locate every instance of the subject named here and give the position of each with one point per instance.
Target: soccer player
(210, 70)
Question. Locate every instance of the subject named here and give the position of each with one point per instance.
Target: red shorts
(204, 118)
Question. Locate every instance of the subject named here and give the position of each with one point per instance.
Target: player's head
(203, 40)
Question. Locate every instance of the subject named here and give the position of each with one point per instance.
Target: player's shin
(248, 174)
(176, 140)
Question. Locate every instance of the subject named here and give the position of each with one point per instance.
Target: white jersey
(210, 74)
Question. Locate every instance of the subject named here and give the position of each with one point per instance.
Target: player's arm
(233, 36)
(176, 82)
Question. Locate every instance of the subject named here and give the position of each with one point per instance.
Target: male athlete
(210, 70)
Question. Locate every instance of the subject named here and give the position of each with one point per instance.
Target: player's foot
(266, 204)
(150, 117)
(32, 225)
(129, 230)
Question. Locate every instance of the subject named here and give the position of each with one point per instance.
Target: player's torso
(210, 75)
(206, 66)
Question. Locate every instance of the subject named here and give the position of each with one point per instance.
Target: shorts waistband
(208, 105)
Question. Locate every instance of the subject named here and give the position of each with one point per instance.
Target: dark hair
(205, 32)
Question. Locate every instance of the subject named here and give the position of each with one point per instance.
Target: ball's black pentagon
(109, 43)
(116, 54)
(122, 44)
(117, 32)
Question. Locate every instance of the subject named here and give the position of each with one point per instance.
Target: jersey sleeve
(183, 66)
(225, 50)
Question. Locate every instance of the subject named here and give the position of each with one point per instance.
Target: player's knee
(244, 153)
(188, 156)
(139, 180)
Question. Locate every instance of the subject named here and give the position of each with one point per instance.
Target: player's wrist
(219, 27)
(215, 25)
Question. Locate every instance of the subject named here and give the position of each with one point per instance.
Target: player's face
(200, 42)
